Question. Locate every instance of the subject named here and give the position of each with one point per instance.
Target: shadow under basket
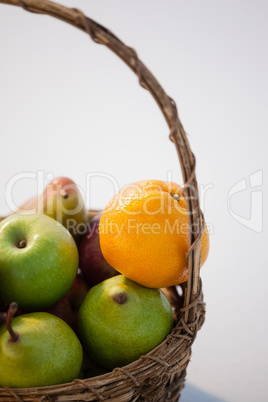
(160, 374)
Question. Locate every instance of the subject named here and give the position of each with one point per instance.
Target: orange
(144, 234)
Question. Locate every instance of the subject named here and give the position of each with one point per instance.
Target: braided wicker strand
(160, 374)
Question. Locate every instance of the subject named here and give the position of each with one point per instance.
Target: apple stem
(22, 244)
(13, 307)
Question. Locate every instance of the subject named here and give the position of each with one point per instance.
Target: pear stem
(64, 194)
(13, 307)
(120, 298)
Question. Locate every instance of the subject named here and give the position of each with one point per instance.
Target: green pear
(38, 349)
(121, 320)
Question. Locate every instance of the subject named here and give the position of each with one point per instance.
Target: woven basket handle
(102, 35)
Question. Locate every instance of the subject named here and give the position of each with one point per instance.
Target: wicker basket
(159, 375)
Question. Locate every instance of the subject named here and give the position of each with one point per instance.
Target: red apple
(67, 308)
(93, 266)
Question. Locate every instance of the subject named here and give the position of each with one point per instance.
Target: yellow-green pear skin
(62, 201)
(47, 352)
(121, 320)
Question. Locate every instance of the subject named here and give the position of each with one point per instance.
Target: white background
(70, 107)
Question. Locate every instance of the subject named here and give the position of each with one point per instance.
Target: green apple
(38, 261)
(121, 320)
(45, 351)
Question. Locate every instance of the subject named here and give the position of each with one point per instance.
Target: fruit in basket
(121, 320)
(145, 235)
(94, 267)
(38, 349)
(62, 201)
(38, 261)
(68, 307)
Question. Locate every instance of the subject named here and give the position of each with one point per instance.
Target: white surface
(70, 107)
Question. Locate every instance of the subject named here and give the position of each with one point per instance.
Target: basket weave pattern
(159, 375)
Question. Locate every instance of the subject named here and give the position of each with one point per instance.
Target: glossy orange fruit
(144, 234)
